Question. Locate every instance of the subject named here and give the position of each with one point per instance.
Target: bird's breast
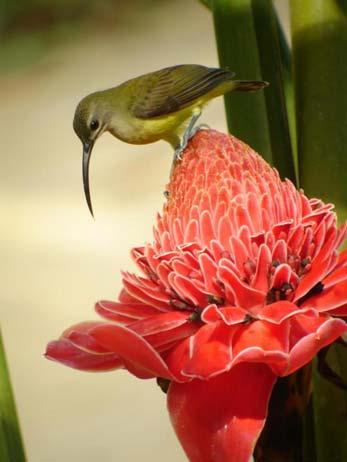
(143, 131)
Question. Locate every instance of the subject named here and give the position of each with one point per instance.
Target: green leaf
(237, 49)
(319, 33)
(11, 445)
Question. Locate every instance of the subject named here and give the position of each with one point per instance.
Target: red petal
(65, 352)
(206, 228)
(135, 352)
(260, 280)
(209, 351)
(124, 313)
(79, 335)
(176, 359)
(279, 311)
(245, 296)
(280, 251)
(191, 233)
(160, 323)
(329, 299)
(153, 297)
(188, 290)
(168, 338)
(220, 419)
(240, 251)
(341, 311)
(315, 334)
(209, 272)
(338, 275)
(261, 341)
(228, 314)
(225, 230)
(342, 261)
(319, 268)
(281, 276)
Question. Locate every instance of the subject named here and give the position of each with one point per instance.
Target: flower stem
(237, 49)
(282, 436)
(319, 37)
(11, 445)
(268, 30)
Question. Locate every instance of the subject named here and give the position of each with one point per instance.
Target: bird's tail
(248, 85)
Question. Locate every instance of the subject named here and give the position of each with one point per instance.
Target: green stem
(319, 37)
(286, 60)
(309, 437)
(272, 66)
(282, 437)
(319, 29)
(11, 445)
(237, 49)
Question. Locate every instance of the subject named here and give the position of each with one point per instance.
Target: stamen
(211, 298)
(195, 316)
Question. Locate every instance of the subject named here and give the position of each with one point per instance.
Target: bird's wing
(173, 88)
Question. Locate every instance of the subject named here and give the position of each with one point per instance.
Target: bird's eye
(94, 125)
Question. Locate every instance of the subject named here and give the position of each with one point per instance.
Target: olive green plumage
(152, 107)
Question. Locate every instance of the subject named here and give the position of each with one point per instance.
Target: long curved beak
(87, 151)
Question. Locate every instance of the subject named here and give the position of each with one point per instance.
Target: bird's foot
(178, 153)
(198, 128)
(188, 134)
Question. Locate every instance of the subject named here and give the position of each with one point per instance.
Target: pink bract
(243, 283)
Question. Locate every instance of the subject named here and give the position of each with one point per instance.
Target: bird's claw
(189, 133)
(178, 153)
(186, 137)
(198, 128)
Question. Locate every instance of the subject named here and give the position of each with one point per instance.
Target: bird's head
(90, 121)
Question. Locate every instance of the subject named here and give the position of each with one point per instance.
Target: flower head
(243, 283)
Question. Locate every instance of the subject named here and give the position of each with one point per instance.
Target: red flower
(242, 284)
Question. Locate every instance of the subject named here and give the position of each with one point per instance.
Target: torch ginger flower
(243, 284)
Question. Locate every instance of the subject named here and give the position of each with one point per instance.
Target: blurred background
(57, 261)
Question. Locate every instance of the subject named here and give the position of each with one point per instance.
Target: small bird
(152, 107)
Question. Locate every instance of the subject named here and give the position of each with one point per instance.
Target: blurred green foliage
(27, 15)
(33, 15)
(28, 28)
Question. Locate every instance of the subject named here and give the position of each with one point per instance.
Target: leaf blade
(10, 437)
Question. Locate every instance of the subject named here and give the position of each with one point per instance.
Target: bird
(161, 105)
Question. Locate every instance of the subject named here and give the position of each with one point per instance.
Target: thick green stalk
(11, 445)
(237, 49)
(330, 410)
(272, 67)
(319, 29)
(285, 436)
(286, 60)
(309, 436)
